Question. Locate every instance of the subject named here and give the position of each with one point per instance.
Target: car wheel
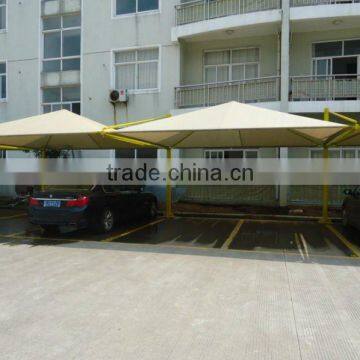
(152, 210)
(50, 229)
(107, 220)
(345, 218)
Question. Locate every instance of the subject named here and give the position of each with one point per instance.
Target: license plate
(52, 203)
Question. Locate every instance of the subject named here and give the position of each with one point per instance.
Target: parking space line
(13, 235)
(296, 235)
(231, 237)
(343, 239)
(302, 238)
(112, 238)
(13, 216)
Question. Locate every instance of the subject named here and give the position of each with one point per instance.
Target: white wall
(102, 33)
(20, 47)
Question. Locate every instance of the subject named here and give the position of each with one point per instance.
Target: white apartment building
(296, 56)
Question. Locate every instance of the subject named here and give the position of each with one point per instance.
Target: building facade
(172, 56)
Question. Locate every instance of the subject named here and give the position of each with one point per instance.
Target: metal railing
(200, 10)
(246, 91)
(329, 87)
(321, 2)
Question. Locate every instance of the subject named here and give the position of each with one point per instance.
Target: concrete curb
(254, 216)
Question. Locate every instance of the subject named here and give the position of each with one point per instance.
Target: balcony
(201, 10)
(260, 90)
(57, 7)
(295, 3)
(325, 88)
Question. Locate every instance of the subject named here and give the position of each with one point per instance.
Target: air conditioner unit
(119, 96)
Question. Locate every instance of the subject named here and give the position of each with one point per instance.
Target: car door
(113, 200)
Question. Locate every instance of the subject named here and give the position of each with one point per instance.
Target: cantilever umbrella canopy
(234, 125)
(59, 130)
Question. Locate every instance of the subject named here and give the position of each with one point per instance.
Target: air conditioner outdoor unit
(119, 96)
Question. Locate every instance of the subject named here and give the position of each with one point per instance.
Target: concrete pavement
(92, 300)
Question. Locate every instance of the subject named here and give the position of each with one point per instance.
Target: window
(136, 154)
(333, 48)
(124, 7)
(58, 98)
(2, 154)
(232, 154)
(352, 47)
(336, 58)
(336, 48)
(226, 65)
(340, 153)
(2, 15)
(3, 81)
(137, 69)
(62, 43)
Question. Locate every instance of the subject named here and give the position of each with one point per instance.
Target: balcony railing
(321, 2)
(246, 91)
(199, 10)
(322, 88)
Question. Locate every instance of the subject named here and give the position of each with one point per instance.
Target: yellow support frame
(14, 148)
(325, 195)
(353, 129)
(109, 131)
(169, 213)
(131, 123)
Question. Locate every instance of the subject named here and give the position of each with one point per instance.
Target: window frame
(5, 99)
(339, 149)
(115, 65)
(136, 154)
(222, 151)
(330, 59)
(61, 102)
(230, 64)
(136, 13)
(60, 30)
(3, 30)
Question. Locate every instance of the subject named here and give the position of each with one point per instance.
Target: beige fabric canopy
(58, 130)
(234, 125)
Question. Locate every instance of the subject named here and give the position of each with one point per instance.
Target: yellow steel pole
(169, 212)
(42, 161)
(325, 197)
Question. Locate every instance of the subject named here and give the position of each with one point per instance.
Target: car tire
(50, 229)
(152, 210)
(106, 221)
(345, 218)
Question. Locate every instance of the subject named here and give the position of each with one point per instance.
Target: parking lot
(307, 239)
(185, 288)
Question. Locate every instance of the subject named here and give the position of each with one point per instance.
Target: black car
(351, 208)
(97, 207)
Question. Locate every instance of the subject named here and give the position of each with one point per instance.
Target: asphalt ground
(307, 239)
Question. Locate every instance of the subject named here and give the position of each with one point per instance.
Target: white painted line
(299, 246)
(302, 238)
